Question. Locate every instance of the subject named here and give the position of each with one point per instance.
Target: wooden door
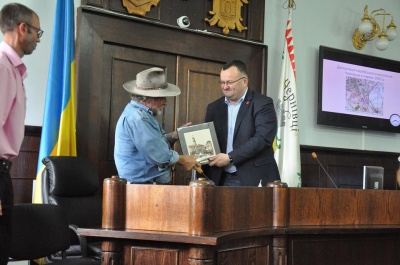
(122, 64)
(198, 80)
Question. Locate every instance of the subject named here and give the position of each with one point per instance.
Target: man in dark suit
(245, 124)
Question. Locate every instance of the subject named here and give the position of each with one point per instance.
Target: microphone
(314, 155)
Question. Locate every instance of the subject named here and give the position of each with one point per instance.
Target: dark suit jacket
(255, 130)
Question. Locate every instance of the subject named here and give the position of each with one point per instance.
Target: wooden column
(201, 256)
(111, 253)
(114, 196)
(200, 218)
(279, 249)
(280, 203)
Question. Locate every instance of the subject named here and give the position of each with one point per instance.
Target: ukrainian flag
(58, 130)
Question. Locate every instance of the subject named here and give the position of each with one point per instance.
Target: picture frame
(199, 140)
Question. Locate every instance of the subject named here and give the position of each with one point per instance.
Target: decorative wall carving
(251, 15)
(227, 13)
(139, 7)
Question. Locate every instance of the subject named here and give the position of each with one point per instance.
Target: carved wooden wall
(112, 48)
(167, 12)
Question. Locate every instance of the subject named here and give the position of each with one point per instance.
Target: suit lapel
(224, 120)
(242, 111)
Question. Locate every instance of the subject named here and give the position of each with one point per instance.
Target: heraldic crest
(227, 15)
(139, 7)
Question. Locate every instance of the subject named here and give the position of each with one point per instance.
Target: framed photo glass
(199, 140)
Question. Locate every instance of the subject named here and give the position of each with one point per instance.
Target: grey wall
(328, 23)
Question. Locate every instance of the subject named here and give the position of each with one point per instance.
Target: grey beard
(156, 112)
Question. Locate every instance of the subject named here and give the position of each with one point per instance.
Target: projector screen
(358, 91)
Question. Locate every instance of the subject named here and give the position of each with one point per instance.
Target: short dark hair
(241, 66)
(13, 14)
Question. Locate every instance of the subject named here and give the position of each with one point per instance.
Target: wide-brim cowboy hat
(152, 83)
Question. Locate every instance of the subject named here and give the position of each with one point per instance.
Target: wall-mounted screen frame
(358, 91)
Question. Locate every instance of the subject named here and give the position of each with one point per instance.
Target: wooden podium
(185, 225)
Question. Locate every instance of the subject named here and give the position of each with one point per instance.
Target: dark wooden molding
(167, 12)
(33, 130)
(345, 166)
(311, 149)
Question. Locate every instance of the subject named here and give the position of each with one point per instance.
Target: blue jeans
(163, 179)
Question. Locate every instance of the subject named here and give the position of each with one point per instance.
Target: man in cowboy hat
(142, 150)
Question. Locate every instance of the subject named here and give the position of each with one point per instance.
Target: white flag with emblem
(287, 148)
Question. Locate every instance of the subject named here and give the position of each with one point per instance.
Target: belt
(5, 165)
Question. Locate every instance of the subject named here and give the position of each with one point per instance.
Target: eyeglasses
(38, 31)
(228, 83)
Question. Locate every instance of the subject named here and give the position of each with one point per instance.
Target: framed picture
(199, 140)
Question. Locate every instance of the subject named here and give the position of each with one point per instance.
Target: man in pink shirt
(21, 33)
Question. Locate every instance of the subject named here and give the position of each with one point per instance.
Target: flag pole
(290, 4)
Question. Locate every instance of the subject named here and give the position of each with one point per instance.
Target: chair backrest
(73, 183)
(38, 230)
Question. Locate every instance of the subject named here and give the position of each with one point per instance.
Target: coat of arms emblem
(227, 14)
(139, 7)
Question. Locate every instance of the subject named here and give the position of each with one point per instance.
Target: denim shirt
(141, 150)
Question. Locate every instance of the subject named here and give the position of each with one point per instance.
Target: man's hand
(174, 134)
(188, 162)
(219, 160)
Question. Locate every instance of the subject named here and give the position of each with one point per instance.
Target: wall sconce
(369, 29)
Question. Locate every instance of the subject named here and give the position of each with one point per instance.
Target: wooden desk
(127, 246)
(245, 225)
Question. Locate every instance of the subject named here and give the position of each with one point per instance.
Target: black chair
(39, 230)
(73, 183)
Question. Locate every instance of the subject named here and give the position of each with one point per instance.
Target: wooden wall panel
(123, 63)
(168, 11)
(145, 256)
(96, 3)
(247, 255)
(345, 166)
(347, 250)
(198, 79)
(111, 49)
(23, 171)
(347, 207)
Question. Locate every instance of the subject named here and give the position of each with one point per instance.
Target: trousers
(7, 203)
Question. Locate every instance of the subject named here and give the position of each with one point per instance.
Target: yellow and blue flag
(58, 130)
